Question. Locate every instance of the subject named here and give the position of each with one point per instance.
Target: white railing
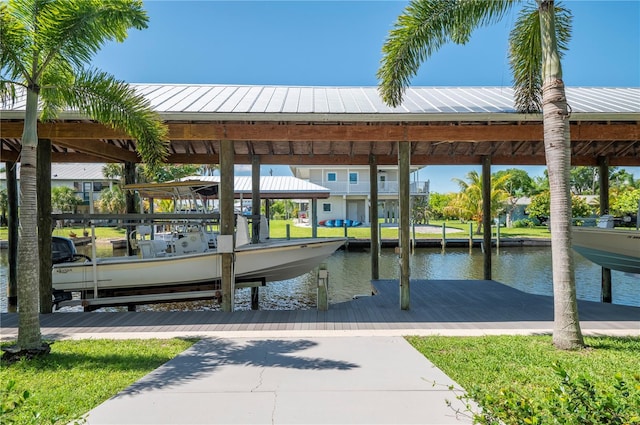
(363, 188)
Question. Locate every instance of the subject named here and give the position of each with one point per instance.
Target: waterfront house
(350, 191)
(86, 179)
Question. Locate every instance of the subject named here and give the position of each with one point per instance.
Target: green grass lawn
(277, 229)
(525, 364)
(101, 232)
(79, 375)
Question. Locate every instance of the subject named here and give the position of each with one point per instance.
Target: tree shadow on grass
(207, 356)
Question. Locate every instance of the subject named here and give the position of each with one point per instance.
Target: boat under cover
(272, 260)
(613, 249)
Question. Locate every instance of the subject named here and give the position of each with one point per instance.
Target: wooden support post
(255, 226)
(255, 199)
(287, 229)
(413, 236)
(323, 288)
(373, 219)
(314, 218)
(255, 298)
(267, 209)
(130, 199)
(486, 214)
(603, 177)
(444, 235)
(470, 235)
(43, 177)
(12, 222)
(404, 161)
(227, 220)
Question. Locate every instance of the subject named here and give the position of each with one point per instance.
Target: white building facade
(86, 179)
(350, 190)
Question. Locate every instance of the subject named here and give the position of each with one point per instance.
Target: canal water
(525, 268)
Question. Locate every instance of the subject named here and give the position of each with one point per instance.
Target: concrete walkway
(321, 380)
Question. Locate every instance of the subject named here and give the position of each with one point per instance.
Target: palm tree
(44, 47)
(468, 203)
(536, 42)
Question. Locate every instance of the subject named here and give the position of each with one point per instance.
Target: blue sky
(338, 43)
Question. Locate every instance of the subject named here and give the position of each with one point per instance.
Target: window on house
(331, 177)
(326, 207)
(86, 190)
(353, 178)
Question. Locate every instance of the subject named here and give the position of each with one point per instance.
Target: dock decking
(444, 307)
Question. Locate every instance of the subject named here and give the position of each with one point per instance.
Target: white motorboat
(188, 259)
(610, 248)
(272, 260)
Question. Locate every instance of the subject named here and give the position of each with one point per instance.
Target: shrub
(525, 222)
(572, 401)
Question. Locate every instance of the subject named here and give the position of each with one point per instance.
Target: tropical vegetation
(524, 380)
(537, 40)
(468, 203)
(45, 47)
(64, 199)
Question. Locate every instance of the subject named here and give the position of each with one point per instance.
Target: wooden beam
(63, 130)
(631, 159)
(360, 132)
(100, 149)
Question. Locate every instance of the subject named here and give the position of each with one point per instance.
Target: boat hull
(270, 261)
(609, 248)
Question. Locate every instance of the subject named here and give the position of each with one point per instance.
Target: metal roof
(347, 126)
(230, 102)
(72, 171)
(272, 186)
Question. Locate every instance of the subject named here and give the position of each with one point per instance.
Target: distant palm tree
(64, 199)
(536, 42)
(468, 203)
(44, 47)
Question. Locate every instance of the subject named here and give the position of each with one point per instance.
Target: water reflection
(526, 269)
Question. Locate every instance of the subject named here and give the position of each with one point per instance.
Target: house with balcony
(86, 179)
(350, 191)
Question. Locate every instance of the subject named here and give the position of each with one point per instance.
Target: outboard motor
(62, 250)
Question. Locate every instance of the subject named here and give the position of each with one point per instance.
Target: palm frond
(525, 54)
(76, 29)
(115, 103)
(59, 74)
(14, 45)
(423, 28)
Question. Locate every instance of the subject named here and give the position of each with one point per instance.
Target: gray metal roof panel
(184, 101)
(72, 171)
(268, 184)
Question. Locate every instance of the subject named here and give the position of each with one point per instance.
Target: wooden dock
(437, 307)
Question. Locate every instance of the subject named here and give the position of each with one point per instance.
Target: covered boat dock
(227, 125)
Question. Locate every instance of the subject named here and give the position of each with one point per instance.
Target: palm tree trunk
(28, 283)
(557, 141)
